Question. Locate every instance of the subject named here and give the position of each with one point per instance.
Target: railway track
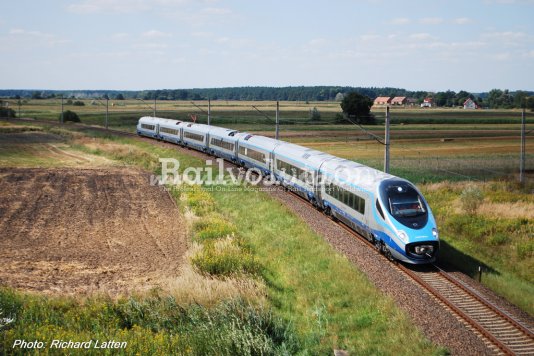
(501, 332)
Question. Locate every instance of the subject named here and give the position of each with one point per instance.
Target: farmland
(228, 295)
(443, 151)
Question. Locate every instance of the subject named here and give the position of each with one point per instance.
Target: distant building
(382, 100)
(398, 100)
(427, 103)
(411, 101)
(470, 104)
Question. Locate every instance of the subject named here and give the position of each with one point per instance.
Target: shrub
(7, 112)
(78, 103)
(69, 116)
(213, 228)
(471, 198)
(200, 201)
(225, 258)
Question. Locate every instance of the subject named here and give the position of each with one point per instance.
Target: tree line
(494, 99)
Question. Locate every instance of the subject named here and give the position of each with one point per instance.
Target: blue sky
(151, 44)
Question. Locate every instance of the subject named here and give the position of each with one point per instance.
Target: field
(228, 297)
(443, 151)
(427, 144)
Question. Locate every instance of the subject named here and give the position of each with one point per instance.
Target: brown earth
(76, 231)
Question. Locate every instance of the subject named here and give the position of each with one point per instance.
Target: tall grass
(503, 244)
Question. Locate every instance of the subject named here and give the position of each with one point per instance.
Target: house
(398, 100)
(411, 101)
(382, 100)
(470, 104)
(427, 103)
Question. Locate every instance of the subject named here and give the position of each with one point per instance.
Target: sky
(474, 45)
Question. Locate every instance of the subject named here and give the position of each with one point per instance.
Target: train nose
(422, 250)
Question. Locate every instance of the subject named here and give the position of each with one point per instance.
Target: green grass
(317, 300)
(503, 246)
(152, 325)
(330, 303)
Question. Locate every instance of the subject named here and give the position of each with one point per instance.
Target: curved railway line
(501, 332)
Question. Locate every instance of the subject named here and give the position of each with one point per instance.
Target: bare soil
(76, 231)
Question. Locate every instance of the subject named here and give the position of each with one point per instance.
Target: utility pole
(62, 109)
(209, 111)
(277, 129)
(523, 146)
(107, 111)
(386, 143)
(154, 104)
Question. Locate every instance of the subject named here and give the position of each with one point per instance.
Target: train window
(194, 136)
(379, 209)
(148, 127)
(351, 201)
(361, 208)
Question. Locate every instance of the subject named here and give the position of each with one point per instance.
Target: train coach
(387, 210)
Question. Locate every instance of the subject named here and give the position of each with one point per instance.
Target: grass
(501, 242)
(155, 324)
(328, 300)
(314, 298)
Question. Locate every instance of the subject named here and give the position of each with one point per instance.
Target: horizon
(126, 45)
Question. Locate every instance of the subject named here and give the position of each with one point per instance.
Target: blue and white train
(387, 210)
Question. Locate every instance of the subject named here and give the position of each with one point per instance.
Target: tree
(69, 116)
(7, 112)
(314, 115)
(339, 96)
(357, 108)
(78, 103)
(119, 97)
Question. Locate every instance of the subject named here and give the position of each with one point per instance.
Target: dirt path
(86, 230)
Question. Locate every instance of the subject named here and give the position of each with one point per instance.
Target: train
(388, 211)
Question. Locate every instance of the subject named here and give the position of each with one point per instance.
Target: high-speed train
(387, 210)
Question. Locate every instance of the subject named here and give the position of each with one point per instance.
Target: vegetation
(316, 300)
(496, 98)
(471, 199)
(357, 107)
(499, 237)
(154, 324)
(7, 112)
(69, 116)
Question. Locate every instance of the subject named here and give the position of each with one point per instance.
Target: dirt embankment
(86, 230)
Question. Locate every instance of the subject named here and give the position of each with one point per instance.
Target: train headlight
(435, 233)
(424, 249)
(402, 235)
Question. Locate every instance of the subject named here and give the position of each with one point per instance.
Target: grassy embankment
(310, 300)
(499, 236)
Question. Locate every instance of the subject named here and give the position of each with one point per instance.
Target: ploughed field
(73, 231)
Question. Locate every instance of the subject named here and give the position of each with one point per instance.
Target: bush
(471, 198)
(225, 258)
(70, 116)
(213, 228)
(7, 112)
(78, 103)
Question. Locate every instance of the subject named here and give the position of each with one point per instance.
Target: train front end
(412, 234)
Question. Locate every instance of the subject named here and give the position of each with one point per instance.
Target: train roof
(222, 132)
(158, 120)
(354, 173)
(305, 155)
(195, 127)
(262, 142)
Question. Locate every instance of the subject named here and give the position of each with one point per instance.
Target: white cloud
(152, 34)
(37, 37)
(431, 20)
(99, 6)
(400, 21)
(421, 36)
(462, 21)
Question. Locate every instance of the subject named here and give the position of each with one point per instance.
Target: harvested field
(78, 231)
